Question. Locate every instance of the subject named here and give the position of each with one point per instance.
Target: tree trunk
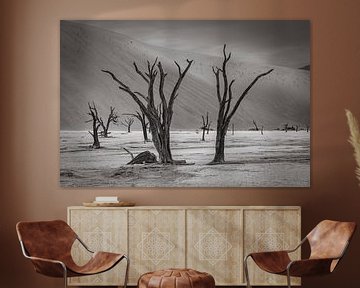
(205, 125)
(105, 133)
(220, 146)
(95, 125)
(161, 140)
(96, 144)
(144, 130)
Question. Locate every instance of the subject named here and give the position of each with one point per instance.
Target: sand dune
(281, 97)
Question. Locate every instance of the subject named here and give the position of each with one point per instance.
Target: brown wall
(30, 118)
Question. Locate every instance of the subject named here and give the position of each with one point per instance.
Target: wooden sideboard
(212, 239)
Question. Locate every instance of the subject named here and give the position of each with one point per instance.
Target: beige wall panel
(101, 230)
(214, 244)
(156, 240)
(269, 230)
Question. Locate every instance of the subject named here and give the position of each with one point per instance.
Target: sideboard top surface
(193, 207)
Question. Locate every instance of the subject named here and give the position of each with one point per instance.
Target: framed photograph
(185, 103)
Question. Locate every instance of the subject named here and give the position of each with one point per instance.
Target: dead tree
(205, 125)
(112, 118)
(286, 127)
(159, 119)
(142, 118)
(95, 125)
(256, 127)
(208, 128)
(226, 111)
(127, 122)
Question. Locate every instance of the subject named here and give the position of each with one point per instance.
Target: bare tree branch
(125, 88)
(178, 83)
(141, 73)
(228, 102)
(131, 154)
(246, 91)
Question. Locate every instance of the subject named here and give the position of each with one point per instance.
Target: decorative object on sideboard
(354, 139)
(108, 201)
(328, 242)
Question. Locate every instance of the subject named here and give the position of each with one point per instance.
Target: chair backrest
(46, 239)
(329, 239)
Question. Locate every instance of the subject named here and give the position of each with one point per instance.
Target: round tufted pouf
(176, 278)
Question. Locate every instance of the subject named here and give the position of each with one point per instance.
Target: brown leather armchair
(48, 245)
(328, 242)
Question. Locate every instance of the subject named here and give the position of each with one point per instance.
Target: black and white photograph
(185, 103)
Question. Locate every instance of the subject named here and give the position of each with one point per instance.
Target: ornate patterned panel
(101, 230)
(211, 239)
(267, 230)
(214, 244)
(156, 240)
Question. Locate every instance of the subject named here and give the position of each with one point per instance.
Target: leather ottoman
(176, 278)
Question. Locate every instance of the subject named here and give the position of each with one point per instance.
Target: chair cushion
(176, 278)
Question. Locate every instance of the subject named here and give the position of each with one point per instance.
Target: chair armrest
(268, 253)
(309, 267)
(280, 251)
(298, 246)
(84, 245)
(45, 260)
(49, 267)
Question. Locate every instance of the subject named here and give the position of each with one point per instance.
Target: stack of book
(106, 199)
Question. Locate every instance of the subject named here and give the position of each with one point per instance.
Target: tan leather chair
(48, 245)
(328, 242)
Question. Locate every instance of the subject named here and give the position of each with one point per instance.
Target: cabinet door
(271, 230)
(156, 240)
(101, 230)
(214, 244)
